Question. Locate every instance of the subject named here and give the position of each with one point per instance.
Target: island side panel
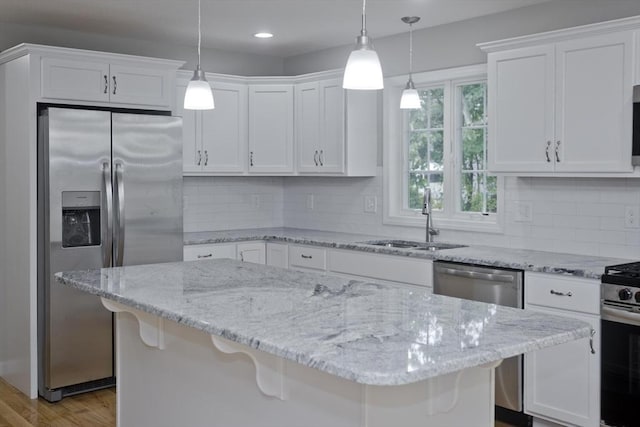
(190, 382)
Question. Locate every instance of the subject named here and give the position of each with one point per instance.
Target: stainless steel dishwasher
(495, 286)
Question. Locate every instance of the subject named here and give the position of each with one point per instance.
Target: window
(442, 146)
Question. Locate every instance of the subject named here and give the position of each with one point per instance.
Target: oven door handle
(621, 316)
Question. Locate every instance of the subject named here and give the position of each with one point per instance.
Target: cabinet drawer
(564, 293)
(198, 252)
(307, 257)
(394, 268)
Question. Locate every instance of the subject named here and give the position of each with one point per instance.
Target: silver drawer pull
(561, 294)
(205, 256)
(306, 256)
(593, 332)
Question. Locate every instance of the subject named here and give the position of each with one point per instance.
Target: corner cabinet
(336, 130)
(562, 383)
(215, 141)
(271, 129)
(118, 81)
(564, 107)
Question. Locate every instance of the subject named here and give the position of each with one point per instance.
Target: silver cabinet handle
(120, 222)
(115, 85)
(320, 158)
(206, 157)
(306, 256)
(593, 332)
(476, 275)
(107, 243)
(561, 294)
(546, 152)
(315, 157)
(251, 158)
(199, 158)
(106, 84)
(557, 151)
(205, 256)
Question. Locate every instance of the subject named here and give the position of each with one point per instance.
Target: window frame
(395, 155)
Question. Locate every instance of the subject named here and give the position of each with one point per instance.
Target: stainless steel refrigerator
(109, 194)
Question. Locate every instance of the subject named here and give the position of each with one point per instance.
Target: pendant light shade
(199, 95)
(363, 70)
(410, 98)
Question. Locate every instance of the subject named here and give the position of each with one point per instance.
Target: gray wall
(213, 60)
(454, 45)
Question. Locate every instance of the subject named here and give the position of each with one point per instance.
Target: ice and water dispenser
(80, 218)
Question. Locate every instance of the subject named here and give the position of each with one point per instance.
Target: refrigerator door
(147, 165)
(76, 342)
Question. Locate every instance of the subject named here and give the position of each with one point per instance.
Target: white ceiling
(299, 26)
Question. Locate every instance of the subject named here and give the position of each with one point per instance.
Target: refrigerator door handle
(107, 247)
(119, 187)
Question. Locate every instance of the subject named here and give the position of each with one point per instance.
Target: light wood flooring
(96, 409)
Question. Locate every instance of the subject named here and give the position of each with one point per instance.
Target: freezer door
(147, 165)
(76, 342)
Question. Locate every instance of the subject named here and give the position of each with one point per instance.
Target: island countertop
(370, 333)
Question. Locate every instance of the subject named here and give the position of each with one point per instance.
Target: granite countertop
(591, 267)
(370, 333)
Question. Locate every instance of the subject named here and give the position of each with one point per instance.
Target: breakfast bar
(226, 343)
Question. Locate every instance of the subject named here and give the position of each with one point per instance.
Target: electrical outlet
(310, 202)
(370, 204)
(524, 212)
(632, 216)
(255, 201)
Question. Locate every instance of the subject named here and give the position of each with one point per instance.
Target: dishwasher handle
(491, 277)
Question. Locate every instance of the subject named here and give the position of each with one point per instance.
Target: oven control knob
(625, 294)
(638, 296)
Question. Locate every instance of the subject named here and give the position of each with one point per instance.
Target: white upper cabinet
(135, 82)
(561, 107)
(215, 141)
(336, 130)
(271, 129)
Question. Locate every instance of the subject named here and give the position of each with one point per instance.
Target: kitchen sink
(406, 244)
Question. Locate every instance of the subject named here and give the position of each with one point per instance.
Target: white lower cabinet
(307, 258)
(562, 383)
(246, 251)
(278, 255)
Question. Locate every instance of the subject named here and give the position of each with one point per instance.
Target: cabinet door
(141, 86)
(224, 130)
(593, 104)
(191, 148)
(77, 80)
(332, 132)
(308, 127)
(562, 383)
(271, 129)
(278, 255)
(251, 252)
(521, 93)
(201, 252)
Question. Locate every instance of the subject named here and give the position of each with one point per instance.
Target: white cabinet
(307, 258)
(414, 271)
(215, 141)
(336, 130)
(246, 251)
(88, 79)
(562, 107)
(562, 383)
(271, 129)
(253, 252)
(278, 255)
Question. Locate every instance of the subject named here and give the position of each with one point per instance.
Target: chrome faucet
(426, 210)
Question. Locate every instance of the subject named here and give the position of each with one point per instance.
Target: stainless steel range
(620, 363)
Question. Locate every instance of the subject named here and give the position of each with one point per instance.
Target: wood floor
(96, 409)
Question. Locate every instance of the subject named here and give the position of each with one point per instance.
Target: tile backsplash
(575, 215)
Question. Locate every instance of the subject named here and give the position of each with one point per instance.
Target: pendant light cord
(199, 34)
(410, 50)
(364, 18)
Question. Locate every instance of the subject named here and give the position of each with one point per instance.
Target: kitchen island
(226, 343)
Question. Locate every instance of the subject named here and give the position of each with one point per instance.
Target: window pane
(473, 148)
(472, 192)
(473, 97)
(425, 150)
(433, 102)
(492, 194)
(417, 183)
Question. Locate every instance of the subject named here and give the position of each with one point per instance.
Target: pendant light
(410, 98)
(199, 95)
(363, 69)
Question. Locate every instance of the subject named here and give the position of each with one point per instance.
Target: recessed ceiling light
(263, 35)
